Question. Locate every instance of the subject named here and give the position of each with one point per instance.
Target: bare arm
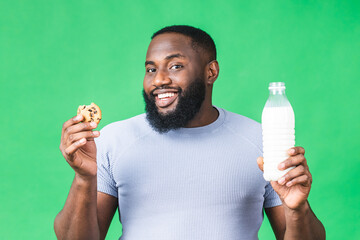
(303, 224)
(294, 219)
(299, 224)
(277, 220)
(106, 207)
(86, 214)
(78, 219)
(81, 217)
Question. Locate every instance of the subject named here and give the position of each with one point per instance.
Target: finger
(260, 162)
(292, 174)
(303, 180)
(74, 120)
(296, 150)
(292, 162)
(77, 136)
(73, 147)
(79, 128)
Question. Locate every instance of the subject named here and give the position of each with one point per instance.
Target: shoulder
(237, 120)
(241, 124)
(245, 127)
(125, 131)
(130, 124)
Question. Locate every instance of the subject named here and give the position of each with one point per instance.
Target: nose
(161, 79)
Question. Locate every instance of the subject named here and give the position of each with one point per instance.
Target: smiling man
(180, 72)
(184, 170)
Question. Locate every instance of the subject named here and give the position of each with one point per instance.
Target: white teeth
(164, 95)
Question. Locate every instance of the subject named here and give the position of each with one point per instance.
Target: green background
(56, 55)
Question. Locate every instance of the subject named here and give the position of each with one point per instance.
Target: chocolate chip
(89, 110)
(95, 112)
(84, 107)
(91, 115)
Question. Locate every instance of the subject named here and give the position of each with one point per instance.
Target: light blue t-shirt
(190, 183)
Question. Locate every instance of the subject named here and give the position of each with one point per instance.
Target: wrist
(297, 213)
(85, 181)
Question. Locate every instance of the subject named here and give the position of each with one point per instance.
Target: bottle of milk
(278, 128)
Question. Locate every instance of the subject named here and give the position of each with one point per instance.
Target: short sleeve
(105, 179)
(271, 198)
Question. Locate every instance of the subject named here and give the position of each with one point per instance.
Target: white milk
(278, 128)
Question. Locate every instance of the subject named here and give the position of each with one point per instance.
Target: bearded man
(184, 170)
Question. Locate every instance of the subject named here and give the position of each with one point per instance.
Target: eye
(150, 70)
(176, 66)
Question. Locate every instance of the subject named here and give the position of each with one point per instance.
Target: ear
(212, 72)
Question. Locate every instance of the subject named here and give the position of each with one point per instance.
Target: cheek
(147, 84)
(180, 79)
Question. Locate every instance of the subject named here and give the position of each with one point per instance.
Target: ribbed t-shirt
(190, 183)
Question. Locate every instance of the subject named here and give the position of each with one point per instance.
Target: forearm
(78, 218)
(303, 224)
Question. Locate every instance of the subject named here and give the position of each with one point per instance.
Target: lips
(164, 99)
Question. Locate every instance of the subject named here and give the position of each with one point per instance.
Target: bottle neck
(276, 91)
(277, 97)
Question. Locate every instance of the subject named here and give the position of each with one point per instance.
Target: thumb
(260, 162)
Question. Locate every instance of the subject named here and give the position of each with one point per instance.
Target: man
(186, 169)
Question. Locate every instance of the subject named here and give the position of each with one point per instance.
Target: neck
(206, 115)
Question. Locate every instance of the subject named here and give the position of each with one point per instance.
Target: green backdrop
(56, 55)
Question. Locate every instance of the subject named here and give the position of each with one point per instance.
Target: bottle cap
(276, 85)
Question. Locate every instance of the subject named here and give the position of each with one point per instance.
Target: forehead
(170, 43)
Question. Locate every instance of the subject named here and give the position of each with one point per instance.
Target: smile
(165, 99)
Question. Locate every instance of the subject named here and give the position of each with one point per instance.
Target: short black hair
(199, 37)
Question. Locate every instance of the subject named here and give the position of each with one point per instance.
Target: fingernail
(291, 151)
(282, 166)
(93, 124)
(82, 140)
(96, 133)
(289, 184)
(281, 180)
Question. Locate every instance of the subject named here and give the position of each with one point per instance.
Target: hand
(294, 187)
(78, 147)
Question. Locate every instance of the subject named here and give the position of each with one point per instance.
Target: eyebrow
(149, 62)
(176, 55)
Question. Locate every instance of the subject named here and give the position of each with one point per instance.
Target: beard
(189, 103)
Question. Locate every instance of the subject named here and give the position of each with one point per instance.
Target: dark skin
(172, 62)
(294, 219)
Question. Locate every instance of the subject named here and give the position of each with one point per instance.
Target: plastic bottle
(278, 128)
